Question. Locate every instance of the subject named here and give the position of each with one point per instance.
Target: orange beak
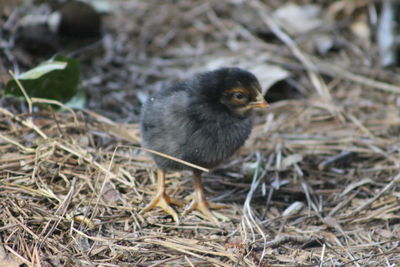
(259, 102)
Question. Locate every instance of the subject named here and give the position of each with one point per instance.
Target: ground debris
(72, 184)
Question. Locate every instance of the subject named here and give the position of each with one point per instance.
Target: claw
(203, 207)
(200, 202)
(162, 200)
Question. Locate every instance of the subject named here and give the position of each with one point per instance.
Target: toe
(203, 207)
(162, 201)
(216, 206)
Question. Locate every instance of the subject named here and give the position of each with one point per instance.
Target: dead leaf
(293, 209)
(354, 185)
(384, 233)
(361, 29)
(290, 160)
(110, 194)
(8, 259)
(299, 19)
(268, 75)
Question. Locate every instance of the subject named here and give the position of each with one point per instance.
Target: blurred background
(127, 49)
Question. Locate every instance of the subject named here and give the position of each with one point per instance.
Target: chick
(202, 120)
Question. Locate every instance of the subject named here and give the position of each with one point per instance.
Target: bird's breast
(216, 140)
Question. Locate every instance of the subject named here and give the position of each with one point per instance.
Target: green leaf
(77, 101)
(55, 79)
(42, 69)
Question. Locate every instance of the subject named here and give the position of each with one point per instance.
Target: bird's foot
(162, 200)
(204, 206)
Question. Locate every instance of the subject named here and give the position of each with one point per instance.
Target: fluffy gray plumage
(189, 121)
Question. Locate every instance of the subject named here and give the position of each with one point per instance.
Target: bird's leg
(199, 199)
(161, 199)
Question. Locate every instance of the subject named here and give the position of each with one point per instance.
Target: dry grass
(317, 184)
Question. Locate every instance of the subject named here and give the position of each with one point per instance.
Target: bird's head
(239, 91)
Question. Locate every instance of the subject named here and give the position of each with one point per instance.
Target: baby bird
(203, 120)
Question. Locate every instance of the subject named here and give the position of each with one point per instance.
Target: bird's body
(189, 129)
(203, 120)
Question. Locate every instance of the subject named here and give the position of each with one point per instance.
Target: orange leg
(161, 199)
(199, 200)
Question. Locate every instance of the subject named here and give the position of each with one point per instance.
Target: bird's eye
(238, 95)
